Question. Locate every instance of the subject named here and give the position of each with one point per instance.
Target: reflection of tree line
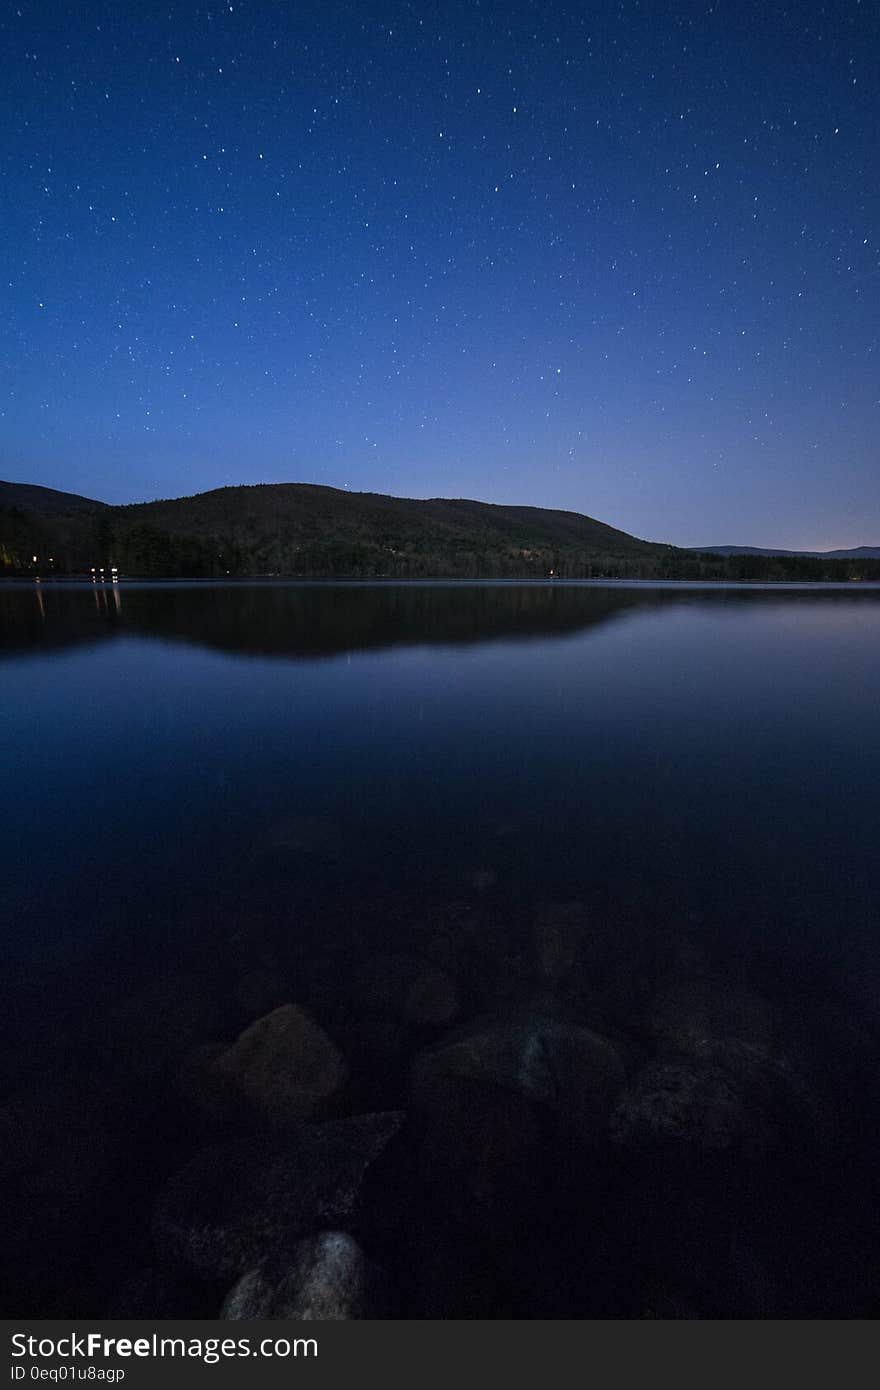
(322, 620)
(316, 621)
(48, 615)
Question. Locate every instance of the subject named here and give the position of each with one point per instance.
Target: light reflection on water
(636, 733)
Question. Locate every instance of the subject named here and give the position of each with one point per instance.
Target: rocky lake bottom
(564, 1113)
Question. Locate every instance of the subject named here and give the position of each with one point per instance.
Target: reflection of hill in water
(317, 620)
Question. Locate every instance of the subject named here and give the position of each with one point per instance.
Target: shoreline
(425, 581)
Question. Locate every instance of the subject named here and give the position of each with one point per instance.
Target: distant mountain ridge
(310, 531)
(45, 500)
(859, 552)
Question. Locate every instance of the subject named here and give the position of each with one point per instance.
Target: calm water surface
(646, 811)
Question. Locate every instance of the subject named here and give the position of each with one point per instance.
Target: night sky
(619, 258)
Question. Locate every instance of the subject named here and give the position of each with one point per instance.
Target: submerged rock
(284, 1064)
(573, 1071)
(693, 1016)
(237, 1204)
(327, 1277)
(704, 1030)
(495, 1097)
(684, 1104)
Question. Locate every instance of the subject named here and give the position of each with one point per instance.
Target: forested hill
(301, 529)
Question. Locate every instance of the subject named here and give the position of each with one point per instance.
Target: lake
(569, 892)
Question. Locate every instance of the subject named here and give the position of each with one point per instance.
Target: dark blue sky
(621, 258)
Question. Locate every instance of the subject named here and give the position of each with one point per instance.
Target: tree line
(142, 549)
